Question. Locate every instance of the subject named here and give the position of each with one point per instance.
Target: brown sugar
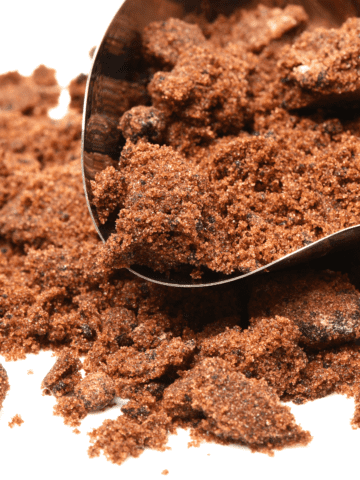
(257, 28)
(321, 66)
(16, 420)
(140, 367)
(126, 437)
(275, 180)
(231, 407)
(284, 204)
(164, 42)
(63, 376)
(72, 409)
(77, 92)
(44, 76)
(96, 391)
(165, 472)
(166, 196)
(267, 350)
(206, 88)
(32, 95)
(222, 167)
(143, 122)
(4, 385)
(325, 306)
(327, 372)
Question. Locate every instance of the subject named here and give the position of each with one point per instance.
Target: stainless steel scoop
(118, 59)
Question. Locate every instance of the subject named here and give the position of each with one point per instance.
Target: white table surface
(60, 35)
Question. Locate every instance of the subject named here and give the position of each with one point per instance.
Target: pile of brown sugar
(244, 154)
(219, 361)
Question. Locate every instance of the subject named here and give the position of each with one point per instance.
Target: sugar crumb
(16, 420)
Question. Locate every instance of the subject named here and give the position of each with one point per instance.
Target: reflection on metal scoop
(116, 61)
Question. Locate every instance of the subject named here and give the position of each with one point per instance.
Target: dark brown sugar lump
(324, 305)
(256, 28)
(107, 194)
(329, 371)
(321, 66)
(132, 366)
(267, 350)
(317, 70)
(163, 42)
(63, 376)
(166, 209)
(96, 391)
(118, 327)
(235, 408)
(4, 385)
(207, 87)
(143, 122)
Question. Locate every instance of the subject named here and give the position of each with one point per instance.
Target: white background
(60, 35)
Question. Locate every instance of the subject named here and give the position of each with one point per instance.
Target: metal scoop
(117, 60)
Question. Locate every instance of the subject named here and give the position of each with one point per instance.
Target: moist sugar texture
(218, 361)
(4, 385)
(226, 169)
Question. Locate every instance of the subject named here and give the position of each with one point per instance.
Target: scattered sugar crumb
(16, 420)
(164, 472)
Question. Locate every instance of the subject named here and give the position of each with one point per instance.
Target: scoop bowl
(117, 59)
